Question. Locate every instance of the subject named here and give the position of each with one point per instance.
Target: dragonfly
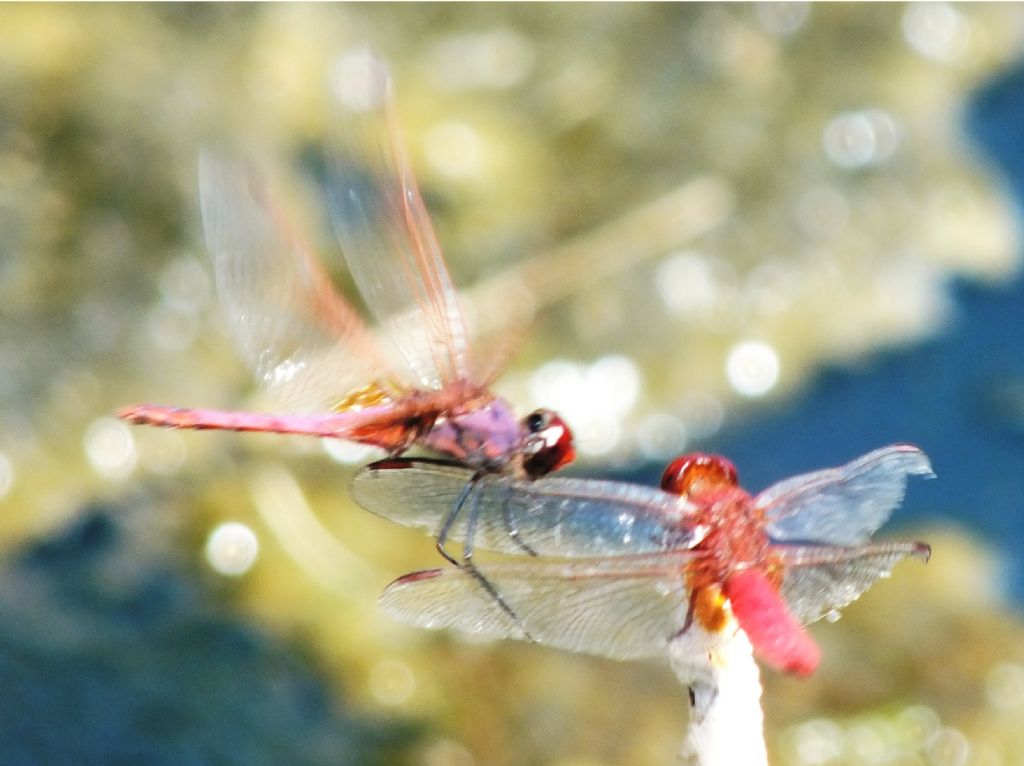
(621, 570)
(412, 381)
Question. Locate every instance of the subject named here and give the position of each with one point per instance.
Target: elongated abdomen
(776, 635)
(385, 425)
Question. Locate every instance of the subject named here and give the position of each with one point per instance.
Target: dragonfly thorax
(738, 539)
(487, 437)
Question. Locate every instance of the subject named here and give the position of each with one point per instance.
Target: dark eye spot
(536, 421)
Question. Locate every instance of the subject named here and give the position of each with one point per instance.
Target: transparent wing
(302, 341)
(623, 608)
(385, 231)
(844, 505)
(549, 517)
(820, 579)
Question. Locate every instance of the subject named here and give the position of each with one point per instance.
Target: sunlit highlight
(495, 59)
(692, 285)
(660, 435)
(857, 139)
(455, 149)
(949, 747)
(936, 30)
(350, 453)
(232, 548)
(110, 448)
(6, 475)
(594, 399)
(392, 682)
(358, 81)
(1004, 686)
(752, 368)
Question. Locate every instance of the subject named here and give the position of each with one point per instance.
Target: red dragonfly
(415, 381)
(628, 568)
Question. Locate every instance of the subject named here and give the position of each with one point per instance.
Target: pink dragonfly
(628, 568)
(412, 382)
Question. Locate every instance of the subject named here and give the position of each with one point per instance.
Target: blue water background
(959, 396)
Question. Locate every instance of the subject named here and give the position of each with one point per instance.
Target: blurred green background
(696, 206)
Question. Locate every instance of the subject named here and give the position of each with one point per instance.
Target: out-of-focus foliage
(830, 133)
(114, 651)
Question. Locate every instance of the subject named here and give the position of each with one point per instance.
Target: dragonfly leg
(688, 622)
(449, 522)
(474, 490)
(467, 562)
(493, 593)
(510, 523)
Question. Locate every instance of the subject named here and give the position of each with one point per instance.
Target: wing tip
(922, 551)
(918, 463)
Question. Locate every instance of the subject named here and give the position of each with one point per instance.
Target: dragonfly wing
(821, 579)
(844, 505)
(385, 231)
(548, 517)
(622, 608)
(303, 342)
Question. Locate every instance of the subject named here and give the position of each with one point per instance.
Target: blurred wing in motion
(623, 608)
(385, 231)
(844, 505)
(304, 343)
(821, 579)
(548, 517)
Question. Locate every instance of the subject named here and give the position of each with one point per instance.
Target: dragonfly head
(548, 443)
(698, 472)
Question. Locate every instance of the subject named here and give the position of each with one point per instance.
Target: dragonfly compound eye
(548, 445)
(697, 472)
(537, 421)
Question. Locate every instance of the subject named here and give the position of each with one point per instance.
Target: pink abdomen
(775, 634)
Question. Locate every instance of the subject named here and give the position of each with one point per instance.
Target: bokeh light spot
(814, 742)
(752, 368)
(110, 448)
(614, 381)
(161, 451)
(455, 149)
(392, 682)
(918, 724)
(350, 453)
(6, 475)
(232, 548)
(1004, 686)
(660, 435)
(783, 18)
(499, 58)
(936, 30)
(856, 139)
(357, 80)
(692, 285)
(949, 747)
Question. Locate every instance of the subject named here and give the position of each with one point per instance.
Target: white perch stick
(726, 723)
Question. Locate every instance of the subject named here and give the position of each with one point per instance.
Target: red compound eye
(548, 444)
(697, 472)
